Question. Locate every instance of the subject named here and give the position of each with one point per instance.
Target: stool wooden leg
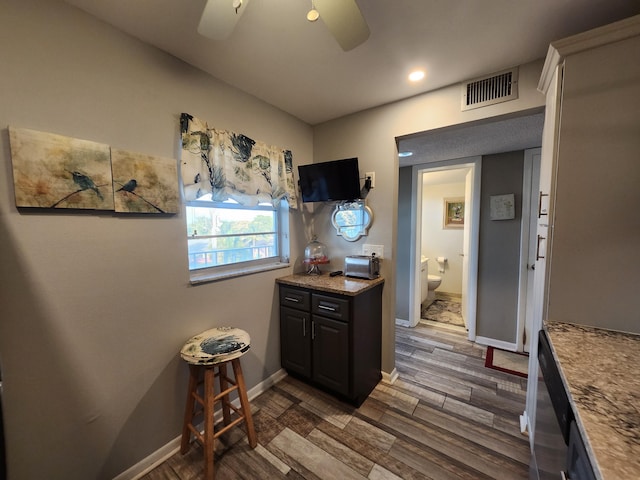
(209, 439)
(188, 409)
(224, 385)
(244, 402)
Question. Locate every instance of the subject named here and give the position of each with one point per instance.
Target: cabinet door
(545, 214)
(331, 354)
(295, 341)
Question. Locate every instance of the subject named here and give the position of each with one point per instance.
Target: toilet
(428, 283)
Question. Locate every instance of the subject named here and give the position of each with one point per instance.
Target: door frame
(472, 223)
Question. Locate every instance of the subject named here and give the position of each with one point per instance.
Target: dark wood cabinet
(333, 340)
(295, 340)
(330, 351)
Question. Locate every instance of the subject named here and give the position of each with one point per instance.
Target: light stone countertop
(601, 371)
(338, 284)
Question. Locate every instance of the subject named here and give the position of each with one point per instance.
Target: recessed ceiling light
(416, 75)
(405, 154)
(313, 14)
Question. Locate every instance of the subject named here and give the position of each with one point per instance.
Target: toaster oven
(362, 266)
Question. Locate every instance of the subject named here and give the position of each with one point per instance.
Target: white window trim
(213, 274)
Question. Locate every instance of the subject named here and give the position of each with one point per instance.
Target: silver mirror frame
(359, 226)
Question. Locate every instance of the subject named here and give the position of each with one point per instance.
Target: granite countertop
(601, 370)
(338, 284)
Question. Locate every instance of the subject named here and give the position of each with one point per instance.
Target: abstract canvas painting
(143, 183)
(54, 171)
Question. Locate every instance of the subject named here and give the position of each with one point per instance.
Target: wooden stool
(208, 355)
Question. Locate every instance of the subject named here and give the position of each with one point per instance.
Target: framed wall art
(144, 183)
(502, 207)
(54, 171)
(453, 213)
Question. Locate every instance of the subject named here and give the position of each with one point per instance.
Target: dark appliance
(578, 463)
(329, 181)
(3, 459)
(553, 417)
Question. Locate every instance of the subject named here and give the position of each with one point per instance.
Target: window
(235, 190)
(226, 239)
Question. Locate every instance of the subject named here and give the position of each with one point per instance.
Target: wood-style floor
(446, 417)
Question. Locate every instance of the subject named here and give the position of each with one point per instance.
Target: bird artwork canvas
(144, 183)
(55, 171)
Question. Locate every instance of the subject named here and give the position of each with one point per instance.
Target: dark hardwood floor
(446, 417)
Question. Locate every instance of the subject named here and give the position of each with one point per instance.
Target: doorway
(436, 149)
(451, 247)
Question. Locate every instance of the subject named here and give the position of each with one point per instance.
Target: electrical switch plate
(368, 249)
(372, 176)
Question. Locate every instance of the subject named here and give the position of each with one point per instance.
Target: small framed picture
(502, 207)
(453, 213)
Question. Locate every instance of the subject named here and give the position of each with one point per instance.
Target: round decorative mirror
(352, 220)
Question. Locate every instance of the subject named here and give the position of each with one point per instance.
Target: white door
(468, 202)
(534, 165)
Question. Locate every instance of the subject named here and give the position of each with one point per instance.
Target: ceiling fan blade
(219, 18)
(345, 22)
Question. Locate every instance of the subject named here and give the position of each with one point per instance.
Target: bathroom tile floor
(445, 417)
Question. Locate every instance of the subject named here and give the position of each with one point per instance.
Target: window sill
(197, 278)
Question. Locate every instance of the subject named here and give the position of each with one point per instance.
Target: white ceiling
(276, 55)
(443, 177)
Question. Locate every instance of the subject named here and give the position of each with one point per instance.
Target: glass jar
(315, 254)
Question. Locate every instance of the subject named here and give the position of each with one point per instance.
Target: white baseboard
(163, 453)
(402, 322)
(524, 423)
(492, 342)
(390, 378)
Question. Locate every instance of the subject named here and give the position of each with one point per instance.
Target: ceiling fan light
(313, 15)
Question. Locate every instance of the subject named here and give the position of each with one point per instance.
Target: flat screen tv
(329, 181)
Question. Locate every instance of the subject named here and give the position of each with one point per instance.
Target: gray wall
(499, 249)
(95, 307)
(403, 263)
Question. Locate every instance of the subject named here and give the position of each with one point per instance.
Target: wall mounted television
(330, 181)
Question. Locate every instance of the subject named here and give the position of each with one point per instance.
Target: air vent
(495, 88)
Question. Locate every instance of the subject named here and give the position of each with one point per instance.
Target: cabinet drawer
(331, 307)
(295, 298)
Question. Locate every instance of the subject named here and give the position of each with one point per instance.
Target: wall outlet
(368, 249)
(372, 176)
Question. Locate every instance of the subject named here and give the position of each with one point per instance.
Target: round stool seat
(217, 345)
